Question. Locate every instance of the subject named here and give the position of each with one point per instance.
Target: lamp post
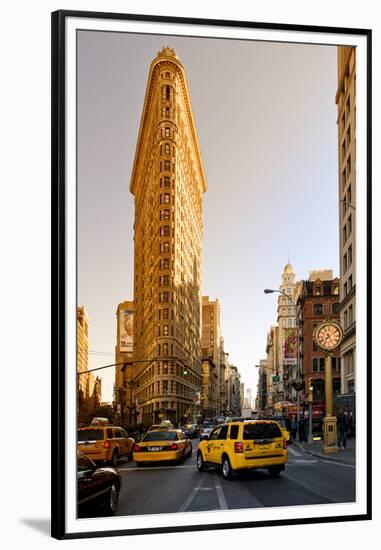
(271, 291)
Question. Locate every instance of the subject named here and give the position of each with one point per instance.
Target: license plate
(154, 448)
(264, 446)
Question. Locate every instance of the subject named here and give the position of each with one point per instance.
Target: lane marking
(220, 494)
(135, 469)
(293, 452)
(191, 496)
(301, 461)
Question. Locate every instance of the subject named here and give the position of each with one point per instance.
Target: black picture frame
(58, 176)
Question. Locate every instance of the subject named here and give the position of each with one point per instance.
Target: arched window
(336, 385)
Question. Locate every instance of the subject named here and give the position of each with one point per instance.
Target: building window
(318, 309)
(321, 364)
(315, 364)
(167, 132)
(167, 198)
(167, 165)
(164, 297)
(335, 308)
(345, 319)
(350, 315)
(327, 309)
(167, 148)
(350, 282)
(317, 290)
(165, 231)
(349, 255)
(167, 181)
(165, 330)
(165, 349)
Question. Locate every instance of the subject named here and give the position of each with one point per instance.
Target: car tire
(111, 503)
(114, 459)
(200, 462)
(226, 468)
(274, 471)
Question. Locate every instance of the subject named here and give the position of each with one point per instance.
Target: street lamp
(271, 291)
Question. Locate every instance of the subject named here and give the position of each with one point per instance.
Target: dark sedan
(98, 488)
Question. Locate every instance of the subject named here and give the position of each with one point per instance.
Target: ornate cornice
(167, 57)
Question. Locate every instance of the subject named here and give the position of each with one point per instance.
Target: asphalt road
(165, 488)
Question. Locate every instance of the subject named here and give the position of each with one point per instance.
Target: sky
(265, 115)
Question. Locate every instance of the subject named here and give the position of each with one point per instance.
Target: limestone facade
(168, 183)
(346, 124)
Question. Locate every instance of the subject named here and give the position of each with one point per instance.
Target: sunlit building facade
(168, 183)
(346, 123)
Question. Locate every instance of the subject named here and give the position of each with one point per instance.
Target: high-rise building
(286, 318)
(82, 364)
(274, 385)
(346, 121)
(123, 390)
(168, 183)
(211, 357)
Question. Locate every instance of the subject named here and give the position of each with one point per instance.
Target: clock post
(329, 421)
(328, 336)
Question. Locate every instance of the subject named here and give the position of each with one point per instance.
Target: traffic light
(311, 387)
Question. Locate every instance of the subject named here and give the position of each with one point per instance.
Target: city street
(180, 488)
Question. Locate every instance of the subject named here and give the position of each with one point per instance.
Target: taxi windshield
(160, 436)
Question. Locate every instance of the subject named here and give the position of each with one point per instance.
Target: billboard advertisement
(289, 346)
(126, 326)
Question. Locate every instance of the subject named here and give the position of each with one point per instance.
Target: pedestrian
(293, 426)
(342, 429)
(302, 429)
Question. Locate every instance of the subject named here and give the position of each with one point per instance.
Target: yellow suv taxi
(244, 445)
(104, 443)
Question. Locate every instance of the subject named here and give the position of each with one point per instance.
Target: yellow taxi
(104, 443)
(161, 445)
(244, 445)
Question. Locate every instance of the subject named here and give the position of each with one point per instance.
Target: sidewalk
(344, 456)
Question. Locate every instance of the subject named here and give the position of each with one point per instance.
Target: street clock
(328, 335)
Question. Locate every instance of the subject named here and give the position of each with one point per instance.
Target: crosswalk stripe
(293, 452)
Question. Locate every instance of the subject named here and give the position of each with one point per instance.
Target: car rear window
(261, 430)
(160, 436)
(90, 435)
(208, 425)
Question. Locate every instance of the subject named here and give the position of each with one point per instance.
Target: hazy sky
(266, 119)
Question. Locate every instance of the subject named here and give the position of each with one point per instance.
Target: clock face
(328, 336)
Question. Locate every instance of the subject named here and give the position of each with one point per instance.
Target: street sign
(276, 378)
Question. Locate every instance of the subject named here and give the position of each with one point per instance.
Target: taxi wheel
(115, 459)
(200, 462)
(226, 468)
(181, 459)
